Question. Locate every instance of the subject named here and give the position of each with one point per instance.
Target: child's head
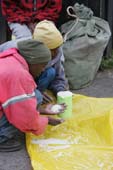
(36, 54)
(46, 32)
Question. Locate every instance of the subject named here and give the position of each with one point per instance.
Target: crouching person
(19, 95)
(46, 32)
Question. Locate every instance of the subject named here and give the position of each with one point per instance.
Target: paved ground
(101, 87)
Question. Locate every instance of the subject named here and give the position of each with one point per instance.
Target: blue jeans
(43, 82)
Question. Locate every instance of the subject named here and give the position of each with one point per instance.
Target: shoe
(10, 146)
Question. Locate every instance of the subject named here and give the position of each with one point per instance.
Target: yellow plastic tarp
(84, 142)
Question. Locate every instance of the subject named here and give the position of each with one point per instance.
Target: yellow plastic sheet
(84, 142)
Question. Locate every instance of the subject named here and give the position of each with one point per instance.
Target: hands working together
(48, 110)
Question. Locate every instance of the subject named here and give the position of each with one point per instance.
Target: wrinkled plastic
(84, 142)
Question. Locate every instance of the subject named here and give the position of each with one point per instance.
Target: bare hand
(48, 110)
(52, 121)
(53, 110)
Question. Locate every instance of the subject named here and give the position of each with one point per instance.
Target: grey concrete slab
(102, 86)
(15, 160)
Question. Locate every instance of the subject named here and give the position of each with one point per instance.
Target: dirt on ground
(102, 86)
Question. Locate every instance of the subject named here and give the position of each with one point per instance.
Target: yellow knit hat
(46, 32)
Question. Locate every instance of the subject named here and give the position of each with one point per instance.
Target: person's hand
(55, 109)
(51, 109)
(53, 121)
(46, 98)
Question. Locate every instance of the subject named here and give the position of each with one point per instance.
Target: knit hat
(34, 51)
(46, 32)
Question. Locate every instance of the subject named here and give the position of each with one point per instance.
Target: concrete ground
(102, 86)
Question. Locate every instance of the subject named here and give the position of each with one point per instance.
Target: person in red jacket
(18, 100)
(22, 16)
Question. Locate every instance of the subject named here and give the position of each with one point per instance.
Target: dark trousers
(7, 131)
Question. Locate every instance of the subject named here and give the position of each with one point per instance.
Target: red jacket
(22, 11)
(17, 97)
